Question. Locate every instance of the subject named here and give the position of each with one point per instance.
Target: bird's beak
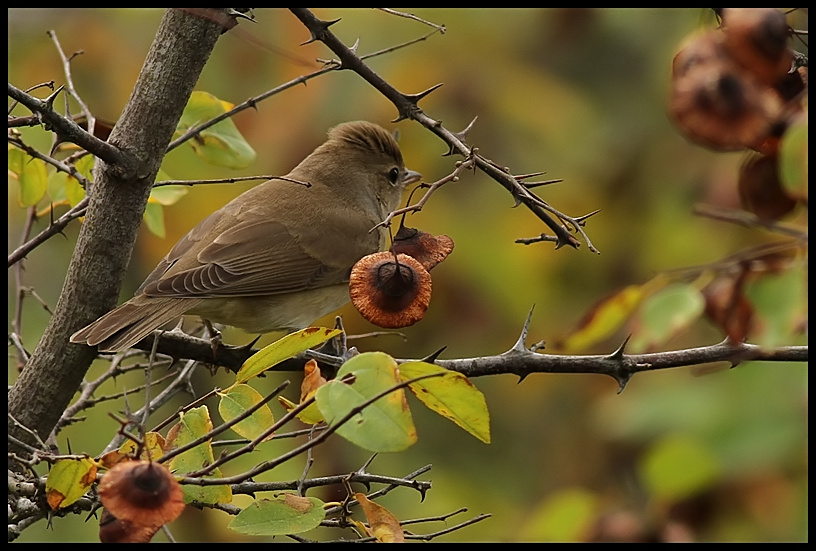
(411, 176)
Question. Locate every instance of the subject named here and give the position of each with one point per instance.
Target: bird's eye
(394, 175)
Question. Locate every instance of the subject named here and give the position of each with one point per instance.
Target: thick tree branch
(125, 170)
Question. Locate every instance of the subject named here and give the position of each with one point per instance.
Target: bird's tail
(126, 325)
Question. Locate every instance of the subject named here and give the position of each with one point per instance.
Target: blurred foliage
(579, 93)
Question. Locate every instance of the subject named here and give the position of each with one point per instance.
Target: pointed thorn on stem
(50, 99)
(619, 354)
(432, 357)
(414, 98)
(462, 135)
(523, 336)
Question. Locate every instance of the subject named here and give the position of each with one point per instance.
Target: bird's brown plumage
(278, 256)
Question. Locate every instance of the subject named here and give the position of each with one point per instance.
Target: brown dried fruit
(757, 39)
(114, 530)
(428, 249)
(717, 103)
(141, 493)
(727, 306)
(760, 189)
(390, 290)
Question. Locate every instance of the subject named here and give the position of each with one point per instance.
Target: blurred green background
(578, 93)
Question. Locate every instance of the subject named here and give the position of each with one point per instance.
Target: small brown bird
(278, 256)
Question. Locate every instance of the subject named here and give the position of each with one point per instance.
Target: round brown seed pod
(114, 530)
(390, 290)
(760, 190)
(757, 39)
(142, 493)
(716, 103)
(430, 250)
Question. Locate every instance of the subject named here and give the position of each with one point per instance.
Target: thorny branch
(520, 360)
(407, 107)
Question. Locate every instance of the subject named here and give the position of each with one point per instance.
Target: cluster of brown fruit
(738, 88)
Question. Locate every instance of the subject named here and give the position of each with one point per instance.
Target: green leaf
(161, 197)
(286, 514)
(32, 176)
(154, 219)
(677, 467)
(56, 187)
(221, 144)
(665, 314)
(451, 395)
(564, 516)
(236, 401)
(167, 195)
(780, 305)
(74, 192)
(192, 425)
(68, 480)
(384, 425)
(287, 347)
(793, 160)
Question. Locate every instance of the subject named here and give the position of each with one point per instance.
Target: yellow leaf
(287, 347)
(451, 395)
(603, 319)
(68, 480)
(236, 401)
(221, 144)
(310, 415)
(192, 425)
(31, 174)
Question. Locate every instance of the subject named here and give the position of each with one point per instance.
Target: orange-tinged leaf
(604, 318)
(68, 480)
(312, 379)
(154, 447)
(384, 525)
(727, 306)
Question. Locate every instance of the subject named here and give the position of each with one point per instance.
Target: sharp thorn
(520, 346)
(619, 354)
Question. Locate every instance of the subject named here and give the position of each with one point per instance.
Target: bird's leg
(213, 334)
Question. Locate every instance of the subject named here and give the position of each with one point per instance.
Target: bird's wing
(253, 256)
